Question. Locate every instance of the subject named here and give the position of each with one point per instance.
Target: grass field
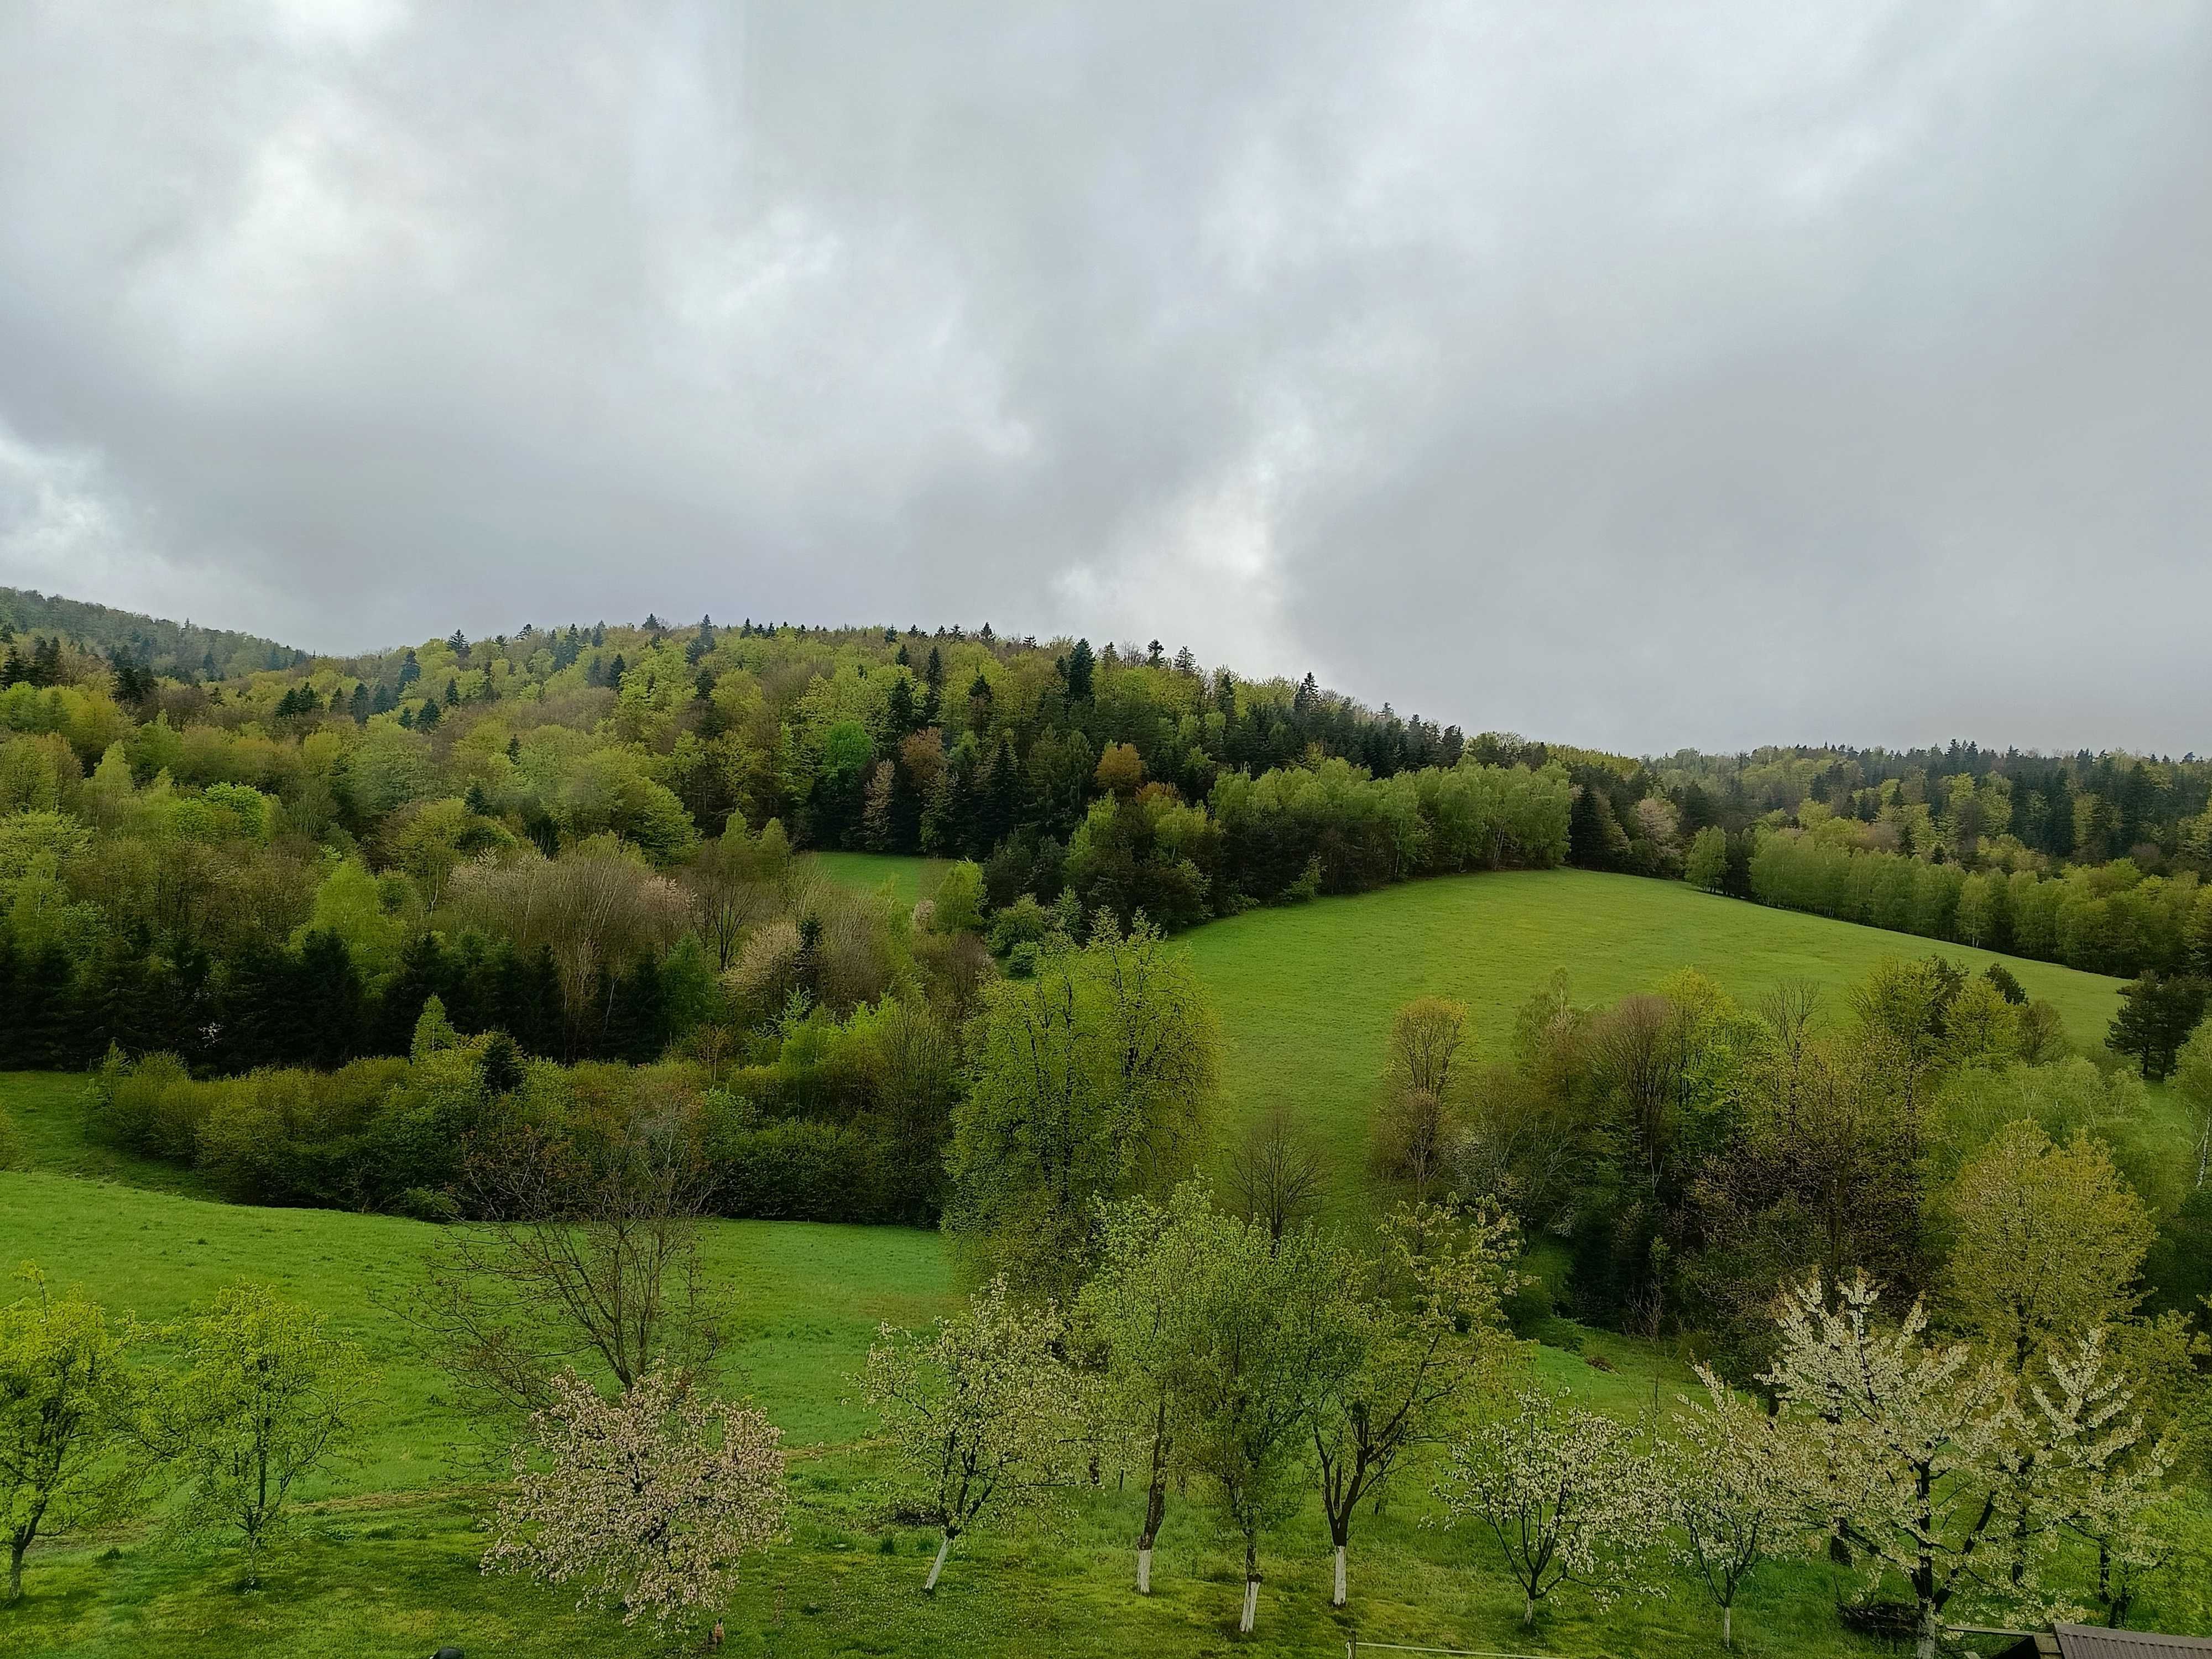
(1305, 993)
(910, 878)
(386, 1561)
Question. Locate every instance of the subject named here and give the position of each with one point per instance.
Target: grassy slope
(1305, 993)
(387, 1561)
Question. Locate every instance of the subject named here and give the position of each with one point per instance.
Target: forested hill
(28, 617)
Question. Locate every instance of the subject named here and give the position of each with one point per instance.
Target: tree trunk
(1251, 1587)
(944, 1549)
(1336, 1592)
(16, 1549)
(1528, 1610)
(1728, 1626)
(1924, 1648)
(1156, 1505)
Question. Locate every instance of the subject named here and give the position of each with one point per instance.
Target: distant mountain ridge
(155, 643)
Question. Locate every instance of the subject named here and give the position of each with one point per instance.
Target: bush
(1023, 922)
(796, 1171)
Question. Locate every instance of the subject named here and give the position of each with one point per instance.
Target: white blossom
(649, 1501)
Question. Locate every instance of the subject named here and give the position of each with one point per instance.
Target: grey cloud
(1632, 375)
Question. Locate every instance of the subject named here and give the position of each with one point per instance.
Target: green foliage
(66, 1401)
(1092, 1080)
(265, 1399)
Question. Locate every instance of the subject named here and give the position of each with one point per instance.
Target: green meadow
(386, 1559)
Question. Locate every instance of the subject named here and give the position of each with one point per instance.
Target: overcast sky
(1635, 375)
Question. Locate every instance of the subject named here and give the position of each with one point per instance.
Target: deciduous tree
(1570, 1496)
(1400, 1346)
(649, 1501)
(65, 1398)
(1728, 1492)
(2049, 1241)
(265, 1398)
(982, 1411)
(1092, 1079)
(1148, 1309)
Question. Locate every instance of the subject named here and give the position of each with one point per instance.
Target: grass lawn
(1305, 993)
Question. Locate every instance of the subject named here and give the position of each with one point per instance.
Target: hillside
(182, 649)
(1305, 993)
(386, 1559)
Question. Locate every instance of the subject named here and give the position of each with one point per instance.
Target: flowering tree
(981, 1410)
(1924, 1460)
(1569, 1495)
(1728, 1492)
(649, 1501)
(64, 1397)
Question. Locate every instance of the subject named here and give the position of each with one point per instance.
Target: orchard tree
(2049, 1243)
(1092, 1079)
(1572, 1497)
(1414, 1333)
(649, 1501)
(1257, 1385)
(1921, 1458)
(1728, 1492)
(1148, 1310)
(982, 1411)
(266, 1397)
(65, 1399)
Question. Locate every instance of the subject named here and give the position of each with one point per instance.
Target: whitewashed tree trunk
(1728, 1627)
(1336, 1595)
(944, 1549)
(1251, 1606)
(1145, 1571)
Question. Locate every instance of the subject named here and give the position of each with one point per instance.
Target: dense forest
(2093, 861)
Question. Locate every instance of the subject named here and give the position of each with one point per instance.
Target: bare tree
(1425, 1038)
(1791, 1010)
(1418, 1124)
(585, 1254)
(1419, 1132)
(1275, 1175)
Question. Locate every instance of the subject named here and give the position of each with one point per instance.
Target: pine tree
(1080, 665)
